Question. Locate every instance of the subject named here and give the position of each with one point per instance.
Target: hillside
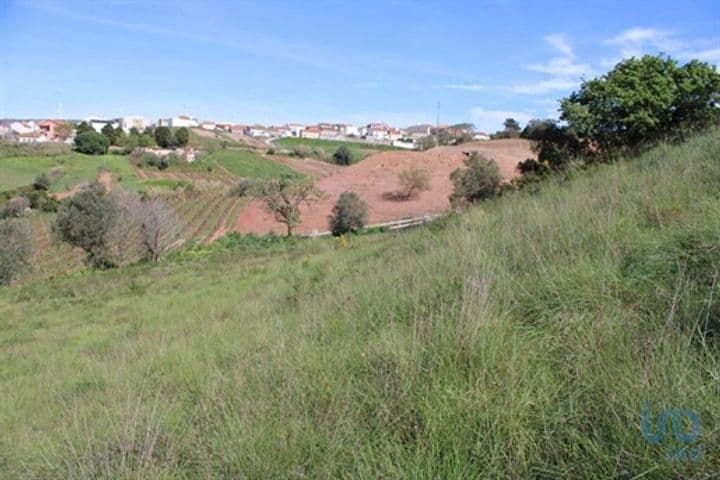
(377, 176)
(519, 339)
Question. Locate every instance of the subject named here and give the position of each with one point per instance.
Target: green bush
(15, 248)
(182, 136)
(349, 214)
(85, 220)
(164, 137)
(479, 180)
(302, 151)
(42, 182)
(91, 143)
(343, 156)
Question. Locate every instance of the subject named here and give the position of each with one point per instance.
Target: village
(63, 131)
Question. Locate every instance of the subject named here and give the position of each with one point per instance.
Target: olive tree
(479, 180)
(283, 197)
(412, 181)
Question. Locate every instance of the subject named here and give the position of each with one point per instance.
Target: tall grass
(517, 340)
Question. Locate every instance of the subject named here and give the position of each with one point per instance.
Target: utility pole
(437, 126)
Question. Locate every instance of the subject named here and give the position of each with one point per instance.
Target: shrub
(40, 200)
(109, 132)
(91, 143)
(84, 220)
(243, 188)
(343, 156)
(302, 151)
(15, 248)
(15, 207)
(413, 180)
(271, 151)
(283, 196)
(182, 137)
(164, 137)
(480, 179)
(348, 215)
(146, 140)
(42, 182)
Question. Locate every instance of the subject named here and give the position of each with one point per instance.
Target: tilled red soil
(376, 176)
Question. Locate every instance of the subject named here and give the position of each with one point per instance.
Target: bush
(15, 207)
(164, 137)
(302, 151)
(348, 215)
(91, 143)
(182, 137)
(343, 156)
(244, 188)
(413, 180)
(84, 220)
(271, 151)
(40, 200)
(479, 180)
(42, 182)
(15, 248)
(146, 140)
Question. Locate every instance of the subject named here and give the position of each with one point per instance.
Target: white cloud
(560, 42)
(638, 35)
(492, 120)
(545, 86)
(470, 87)
(710, 55)
(564, 67)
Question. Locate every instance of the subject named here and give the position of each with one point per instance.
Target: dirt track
(377, 175)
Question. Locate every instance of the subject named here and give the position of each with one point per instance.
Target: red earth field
(376, 176)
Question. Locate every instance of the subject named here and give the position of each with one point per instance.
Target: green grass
(359, 150)
(517, 340)
(219, 141)
(19, 171)
(244, 163)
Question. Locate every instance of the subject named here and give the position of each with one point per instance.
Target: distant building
(32, 137)
(208, 125)
(98, 123)
(422, 130)
(140, 123)
(295, 129)
(19, 128)
(182, 121)
(311, 133)
(256, 131)
(481, 136)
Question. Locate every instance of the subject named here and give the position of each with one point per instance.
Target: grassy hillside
(517, 340)
(74, 167)
(358, 149)
(244, 163)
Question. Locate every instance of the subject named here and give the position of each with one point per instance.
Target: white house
(347, 129)
(208, 125)
(406, 143)
(133, 122)
(98, 123)
(20, 128)
(32, 137)
(311, 132)
(256, 131)
(295, 129)
(183, 120)
(378, 131)
(481, 136)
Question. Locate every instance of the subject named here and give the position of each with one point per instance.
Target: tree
(83, 127)
(146, 140)
(642, 101)
(512, 126)
(348, 215)
(479, 180)
(413, 180)
(134, 132)
(109, 133)
(64, 130)
(342, 156)
(159, 227)
(85, 220)
(91, 143)
(164, 137)
(182, 137)
(16, 246)
(555, 145)
(283, 196)
(119, 136)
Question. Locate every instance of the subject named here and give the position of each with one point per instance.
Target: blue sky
(276, 62)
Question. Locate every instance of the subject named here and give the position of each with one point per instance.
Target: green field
(219, 141)
(517, 340)
(359, 150)
(245, 163)
(75, 167)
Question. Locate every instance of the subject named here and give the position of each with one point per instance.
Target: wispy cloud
(637, 41)
(470, 87)
(560, 43)
(638, 35)
(545, 86)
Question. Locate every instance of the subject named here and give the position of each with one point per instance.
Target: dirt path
(376, 176)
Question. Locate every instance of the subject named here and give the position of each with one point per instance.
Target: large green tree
(164, 137)
(641, 101)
